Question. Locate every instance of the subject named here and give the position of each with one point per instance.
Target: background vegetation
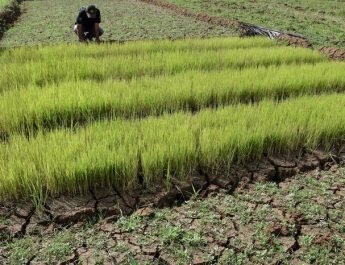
(52, 21)
(323, 22)
(3, 3)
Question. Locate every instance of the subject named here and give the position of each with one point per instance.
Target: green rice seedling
(113, 162)
(134, 49)
(74, 103)
(270, 128)
(56, 71)
(65, 87)
(169, 147)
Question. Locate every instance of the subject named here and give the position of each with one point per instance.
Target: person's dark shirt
(88, 23)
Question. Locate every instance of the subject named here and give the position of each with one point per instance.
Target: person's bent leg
(101, 31)
(79, 30)
(91, 33)
(75, 29)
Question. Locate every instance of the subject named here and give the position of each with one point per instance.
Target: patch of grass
(21, 251)
(231, 257)
(317, 255)
(267, 188)
(59, 249)
(171, 234)
(264, 239)
(4, 220)
(194, 239)
(97, 242)
(130, 224)
(240, 209)
(320, 21)
(312, 211)
(122, 247)
(263, 212)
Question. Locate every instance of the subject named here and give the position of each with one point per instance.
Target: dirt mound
(294, 41)
(333, 53)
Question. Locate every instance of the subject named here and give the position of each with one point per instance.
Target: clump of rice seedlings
(134, 49)
(168, 147)
(42, 73)
(75, 103)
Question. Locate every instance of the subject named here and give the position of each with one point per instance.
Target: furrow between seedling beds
(73, 103)
(169, 147)
(56, 71)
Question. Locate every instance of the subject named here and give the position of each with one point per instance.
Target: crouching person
(87, 24)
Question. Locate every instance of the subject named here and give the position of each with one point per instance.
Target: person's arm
(97, 32)
(81, 35)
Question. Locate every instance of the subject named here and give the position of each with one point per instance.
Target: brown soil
(113, 203)
(294, 41)
(276, 216)
(333, 53)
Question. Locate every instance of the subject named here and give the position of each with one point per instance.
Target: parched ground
(322, 22)
(51, 21)
(297, 221)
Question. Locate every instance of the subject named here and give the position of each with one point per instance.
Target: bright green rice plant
(169, 147)
(42, 73)
(75, 103)
(133, 49)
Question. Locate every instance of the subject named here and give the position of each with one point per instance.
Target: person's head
(91, 11)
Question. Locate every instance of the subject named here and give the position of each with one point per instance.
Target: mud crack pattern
(275, 215)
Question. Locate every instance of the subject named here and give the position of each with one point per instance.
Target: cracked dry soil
(283, 211)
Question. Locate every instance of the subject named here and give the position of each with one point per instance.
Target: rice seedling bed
(155, 112)
(131, 48)
(75, 103)
(165, 148)
(129, 67)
